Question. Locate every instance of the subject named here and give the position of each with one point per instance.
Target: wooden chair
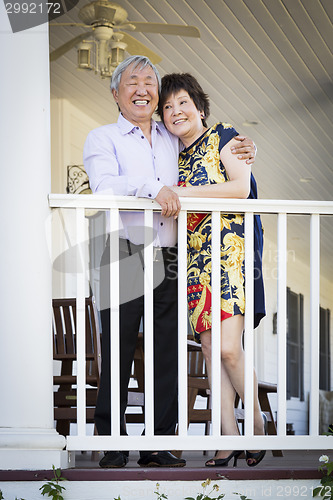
(198, 386)
(64, 351)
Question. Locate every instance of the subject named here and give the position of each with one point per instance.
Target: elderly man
(137, 156)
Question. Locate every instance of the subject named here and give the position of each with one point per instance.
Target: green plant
(201, 496)
(52, 488)
(207, 495)
(326, 488)
(159, 495)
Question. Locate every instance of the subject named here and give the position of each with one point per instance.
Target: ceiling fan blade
(165, 29)
(134, 47)
(60, 51)
(81, 25)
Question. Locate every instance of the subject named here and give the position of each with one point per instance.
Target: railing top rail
(105, 202)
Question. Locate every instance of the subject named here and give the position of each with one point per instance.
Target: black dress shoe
(161, 459)
(113, 459)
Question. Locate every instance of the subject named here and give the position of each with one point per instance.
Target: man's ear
(115, 95)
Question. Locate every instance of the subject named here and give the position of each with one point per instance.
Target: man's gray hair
(138, 61)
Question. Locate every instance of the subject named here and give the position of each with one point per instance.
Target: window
(325, 351)
(295, 345)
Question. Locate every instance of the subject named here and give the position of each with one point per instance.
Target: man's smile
(141, 102)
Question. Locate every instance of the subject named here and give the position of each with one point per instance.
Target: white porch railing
(184, 441)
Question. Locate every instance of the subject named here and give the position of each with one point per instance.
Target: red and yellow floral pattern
(200, 164)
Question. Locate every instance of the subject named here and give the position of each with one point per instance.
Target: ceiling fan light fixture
(117, 56)
(105, 73)
(84, 56)
(105, 20)
(117, 53)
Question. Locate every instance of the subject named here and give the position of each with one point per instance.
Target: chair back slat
(69, 317)
(64, 350)
(196, 362)
(58, 330)
(64, 333)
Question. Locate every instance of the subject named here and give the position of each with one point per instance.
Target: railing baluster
(114, 322)
(182, 324)
(314, 322)
(148, 322)
(248, 335)
(216, 324)
(282, 324)
(80, 324)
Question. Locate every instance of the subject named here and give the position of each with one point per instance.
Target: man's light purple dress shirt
(120, 161)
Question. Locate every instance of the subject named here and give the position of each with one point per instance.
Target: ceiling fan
(105, 21)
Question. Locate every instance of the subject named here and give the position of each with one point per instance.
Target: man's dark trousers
(165, 334)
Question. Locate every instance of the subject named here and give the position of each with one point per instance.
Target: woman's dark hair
(174, 82)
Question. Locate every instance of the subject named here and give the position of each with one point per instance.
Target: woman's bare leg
(229, 424)
(234, 363)
(232, 375)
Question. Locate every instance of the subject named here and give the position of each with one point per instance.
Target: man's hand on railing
(169, 202)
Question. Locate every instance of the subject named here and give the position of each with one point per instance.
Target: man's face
(137, 96)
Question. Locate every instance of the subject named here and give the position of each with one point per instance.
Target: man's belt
(160, 254)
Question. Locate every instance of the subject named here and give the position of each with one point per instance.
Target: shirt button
(158, 178)
(149, 195)
(161, 223)
(142, 137)
(137, 128)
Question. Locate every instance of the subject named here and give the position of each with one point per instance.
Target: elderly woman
(207, 169)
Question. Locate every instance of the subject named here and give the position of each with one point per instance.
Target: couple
(138, 156)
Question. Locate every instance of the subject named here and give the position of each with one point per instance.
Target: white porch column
(27, 437)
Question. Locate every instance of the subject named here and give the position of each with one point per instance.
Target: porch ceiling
(263, 61)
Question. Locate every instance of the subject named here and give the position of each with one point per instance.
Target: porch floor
(295, 464)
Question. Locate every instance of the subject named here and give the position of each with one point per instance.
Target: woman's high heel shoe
(223, 462)
(256, 458)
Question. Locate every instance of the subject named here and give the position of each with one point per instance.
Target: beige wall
(69, 129)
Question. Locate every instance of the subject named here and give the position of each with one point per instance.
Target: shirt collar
(158, 126)
(126, 127)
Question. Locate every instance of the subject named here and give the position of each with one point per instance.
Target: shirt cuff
(150, 189)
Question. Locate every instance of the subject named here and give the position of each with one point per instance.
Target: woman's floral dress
(200, 164)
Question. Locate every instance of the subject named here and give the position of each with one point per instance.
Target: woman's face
(182, 118)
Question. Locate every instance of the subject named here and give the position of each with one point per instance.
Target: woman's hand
(246, 149)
